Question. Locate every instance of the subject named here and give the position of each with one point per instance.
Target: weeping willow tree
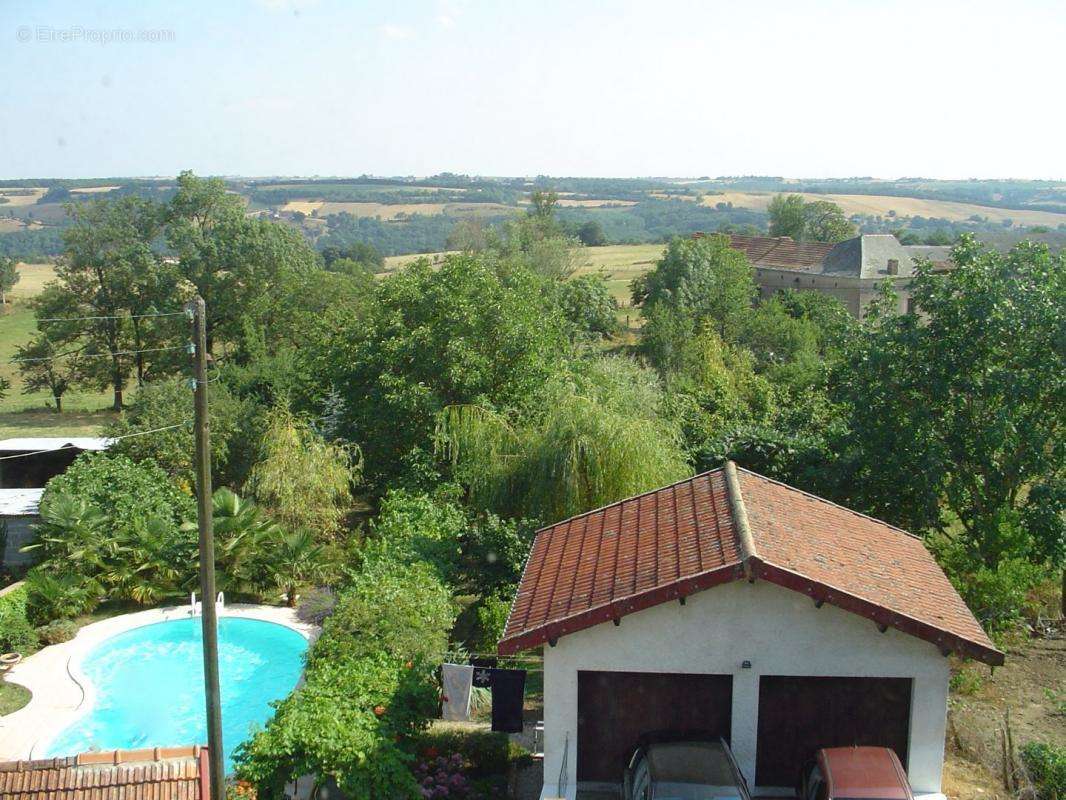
(303, 480)
(594, 439)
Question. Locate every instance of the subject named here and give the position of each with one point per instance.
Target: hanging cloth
(508, 691)
(456, 680)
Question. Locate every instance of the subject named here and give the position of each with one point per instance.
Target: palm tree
(73, 533)
(296, 559)
(242, 534)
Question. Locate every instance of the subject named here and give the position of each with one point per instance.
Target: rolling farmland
(881, 205)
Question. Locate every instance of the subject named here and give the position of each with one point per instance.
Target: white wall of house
(780, 632)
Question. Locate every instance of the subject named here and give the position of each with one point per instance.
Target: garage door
(799, 715)
(615, 708)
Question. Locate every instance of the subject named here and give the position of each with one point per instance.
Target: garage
(731, 604)
(616, 708)
(798, 715)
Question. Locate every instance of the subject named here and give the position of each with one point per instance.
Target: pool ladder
(195, 608)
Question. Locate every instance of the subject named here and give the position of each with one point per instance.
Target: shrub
(402, 610)
(999, 597)
(16, 632)
(491, 618)
(1046, 767)
(966, 681)
(52, 597)
(348, 721)
(62, 630)
(473, 764)
(442, 776)
(484, 753)
(316, 606)
(368, 689)
(125, 492)
(417, 527)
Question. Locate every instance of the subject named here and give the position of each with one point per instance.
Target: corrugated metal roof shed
(20, 502)
(37, 443)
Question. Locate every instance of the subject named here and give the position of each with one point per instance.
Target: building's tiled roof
(162, 773)
(721, 526)
(781, 252)
(940, 255)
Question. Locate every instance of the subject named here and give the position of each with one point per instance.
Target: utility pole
(207, 551)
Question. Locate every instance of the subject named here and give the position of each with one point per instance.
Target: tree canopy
(813, 221)
(956, 410)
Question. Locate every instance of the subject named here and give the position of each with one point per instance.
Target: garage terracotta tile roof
(726, 525)
(162, 773)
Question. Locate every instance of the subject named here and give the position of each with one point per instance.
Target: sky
(816, 88)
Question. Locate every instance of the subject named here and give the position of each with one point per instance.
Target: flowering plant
(442, 776)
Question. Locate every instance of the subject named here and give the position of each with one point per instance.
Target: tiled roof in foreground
(726, 525)
(162, 773)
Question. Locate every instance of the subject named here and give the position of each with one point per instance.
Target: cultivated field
(393, 210)
(880, 205)
(620, 263)
(16, 197)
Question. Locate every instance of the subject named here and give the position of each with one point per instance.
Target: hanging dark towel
(483, 676)
(508, 690)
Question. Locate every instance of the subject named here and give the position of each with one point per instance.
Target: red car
(854, 773)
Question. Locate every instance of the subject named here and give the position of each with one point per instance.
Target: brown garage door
(799, 715)
(615, 708)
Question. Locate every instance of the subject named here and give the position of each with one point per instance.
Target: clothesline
(463, 654)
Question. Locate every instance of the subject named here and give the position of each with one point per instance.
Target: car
(854, 773)
(679, 767)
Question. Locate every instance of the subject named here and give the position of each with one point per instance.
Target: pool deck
(61, 693)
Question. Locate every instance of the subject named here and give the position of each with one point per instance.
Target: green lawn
(12, 697)
(21, 414)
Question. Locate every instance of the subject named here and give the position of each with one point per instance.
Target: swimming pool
(147, 685)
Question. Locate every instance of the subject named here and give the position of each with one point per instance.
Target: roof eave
(534, 637)
(947, 642)
(753, 568)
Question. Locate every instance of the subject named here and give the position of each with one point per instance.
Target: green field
(621, 263)
(84, 412)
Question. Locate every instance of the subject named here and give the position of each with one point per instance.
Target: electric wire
(72, 446)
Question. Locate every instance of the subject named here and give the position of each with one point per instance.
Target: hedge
(368, 690)
(16, 632)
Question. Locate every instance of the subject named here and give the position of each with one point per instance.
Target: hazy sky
(297, 87)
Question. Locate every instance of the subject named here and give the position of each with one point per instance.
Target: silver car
(684, 769)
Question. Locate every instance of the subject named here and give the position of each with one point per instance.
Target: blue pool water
(149, 685)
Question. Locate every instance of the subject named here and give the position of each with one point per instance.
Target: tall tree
(44, 367)
(596, 436)
(300, 478)
(703, 279)
(957, 409)
(787, 216)
(816, 221)
(9, 276)
(825, 222)
(234, 263)
(109, 271)
(430, 338)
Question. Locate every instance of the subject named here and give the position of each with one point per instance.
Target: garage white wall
(780, 632)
